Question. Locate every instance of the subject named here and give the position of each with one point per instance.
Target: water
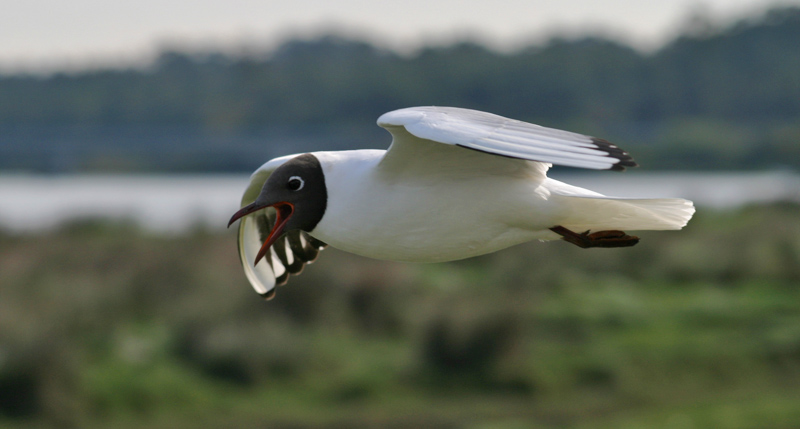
(159, 203)
(175, 203)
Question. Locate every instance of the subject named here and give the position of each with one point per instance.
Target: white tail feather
(598, 213)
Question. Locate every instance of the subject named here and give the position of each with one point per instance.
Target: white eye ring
(298, 178)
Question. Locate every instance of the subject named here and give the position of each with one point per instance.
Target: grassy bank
(103, 325)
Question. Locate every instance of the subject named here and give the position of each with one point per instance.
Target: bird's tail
(598, 212)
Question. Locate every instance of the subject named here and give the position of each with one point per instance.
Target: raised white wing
(497, 135)
(287, 256)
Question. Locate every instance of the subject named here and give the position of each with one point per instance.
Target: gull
(454, 183)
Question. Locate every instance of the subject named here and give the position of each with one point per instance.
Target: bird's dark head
(298, 193)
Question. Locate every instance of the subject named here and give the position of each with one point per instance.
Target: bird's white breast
(423, 216)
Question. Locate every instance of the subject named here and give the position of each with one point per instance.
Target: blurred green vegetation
(713, 98)
(104, 325)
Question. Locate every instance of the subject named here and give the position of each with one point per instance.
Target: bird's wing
(497, 135)
(287, 256)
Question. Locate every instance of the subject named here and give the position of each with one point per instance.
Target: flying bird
(455, 183)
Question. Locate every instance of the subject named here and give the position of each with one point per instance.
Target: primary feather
(497, 135)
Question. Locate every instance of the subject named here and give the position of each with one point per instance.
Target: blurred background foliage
(216, 111)
(105, 324)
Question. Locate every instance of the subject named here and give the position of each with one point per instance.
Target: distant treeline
(721, 98)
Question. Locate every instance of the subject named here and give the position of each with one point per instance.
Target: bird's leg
(611, 238)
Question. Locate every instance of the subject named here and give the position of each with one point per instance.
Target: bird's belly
(423, 233)
(433, 219)
(425, 245)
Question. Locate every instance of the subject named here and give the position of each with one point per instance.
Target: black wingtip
(625, 159)
(623, 166)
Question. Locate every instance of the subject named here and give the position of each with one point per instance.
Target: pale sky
(74, 34)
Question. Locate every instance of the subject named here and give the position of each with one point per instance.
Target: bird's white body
(460, 213)
(455, 183)
(416, 223)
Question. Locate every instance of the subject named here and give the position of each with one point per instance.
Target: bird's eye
(295, 183)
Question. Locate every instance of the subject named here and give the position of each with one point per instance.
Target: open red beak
(284, 211)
